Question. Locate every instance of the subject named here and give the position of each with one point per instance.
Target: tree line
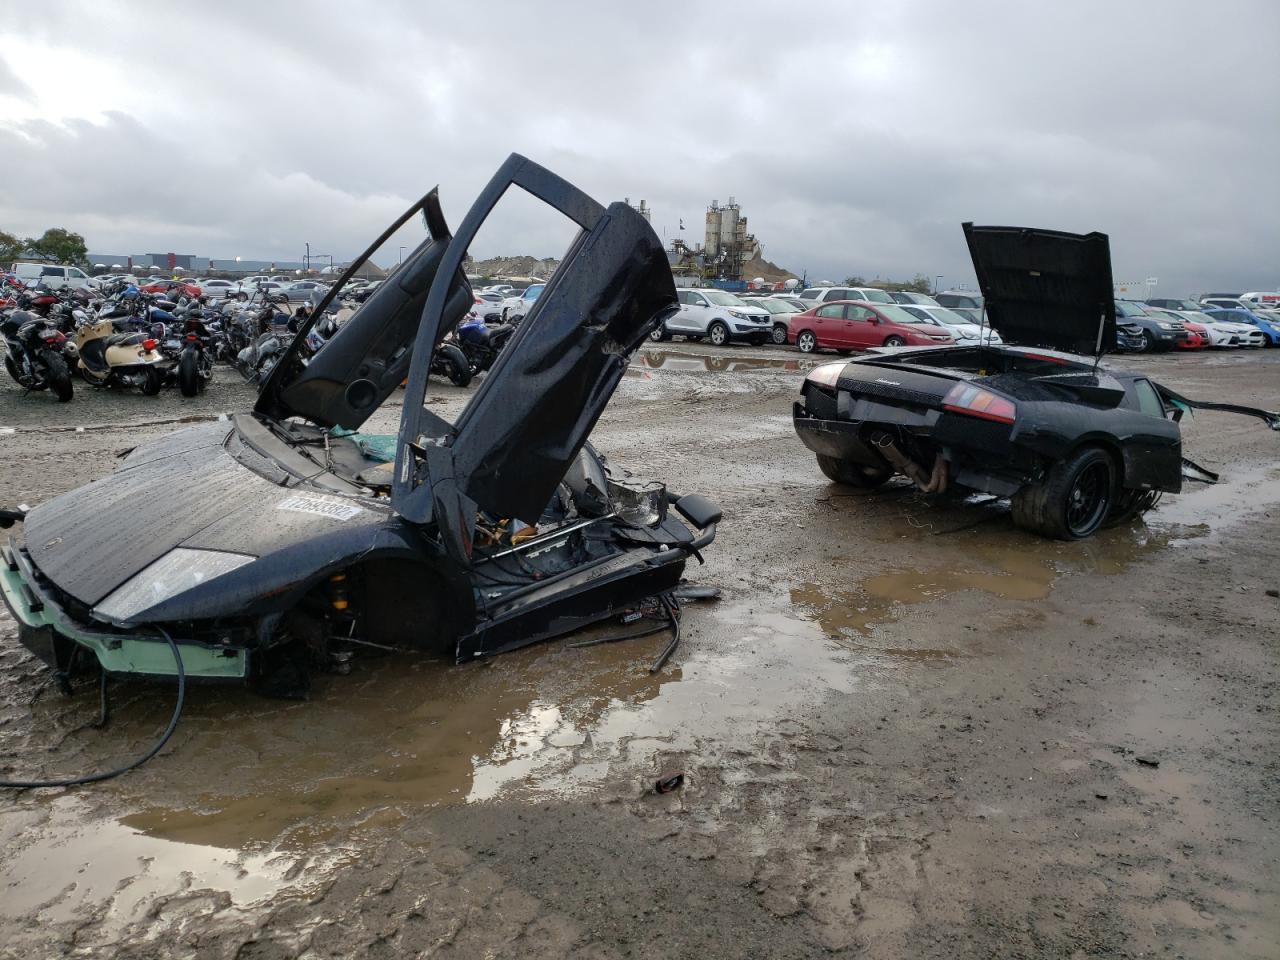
(57, 244)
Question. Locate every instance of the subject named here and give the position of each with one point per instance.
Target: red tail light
(192, 338)
(53, 336)
(148, 345)
(975, 402)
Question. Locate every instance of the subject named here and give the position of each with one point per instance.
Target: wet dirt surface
(907, 729)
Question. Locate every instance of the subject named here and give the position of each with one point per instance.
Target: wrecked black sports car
(1073, 445)
(286, 536)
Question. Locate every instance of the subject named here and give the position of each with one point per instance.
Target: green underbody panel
(119, 653)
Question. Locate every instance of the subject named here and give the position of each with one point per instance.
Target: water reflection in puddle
(403, 735)
(682, 362)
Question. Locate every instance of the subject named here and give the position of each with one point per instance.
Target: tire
(151, 382)
(852, 474)
(1148, 342)
(59, 377)
(806, 341)
(457, 367)
(894, 342)
(779, 333)
(718, 333)
(14, 372)
(189, 373)
(1074, 499)
(659, 334)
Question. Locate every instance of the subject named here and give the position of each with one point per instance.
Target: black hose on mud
(109, 774)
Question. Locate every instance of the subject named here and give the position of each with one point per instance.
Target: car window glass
(859, 313)
(50, 271)
(1148, 399)
(831, 310)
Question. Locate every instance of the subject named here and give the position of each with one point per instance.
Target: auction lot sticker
(338, 510)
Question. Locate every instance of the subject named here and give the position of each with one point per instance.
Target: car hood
(1046, 288)
(186, 490)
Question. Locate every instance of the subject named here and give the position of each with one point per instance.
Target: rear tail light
(828, 375)
(53, 336)
(975, 402)
(148, 345)
(192, 338)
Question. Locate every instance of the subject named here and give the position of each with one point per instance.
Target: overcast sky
(856, 137)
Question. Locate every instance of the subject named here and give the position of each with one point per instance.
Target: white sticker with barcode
(339, 510)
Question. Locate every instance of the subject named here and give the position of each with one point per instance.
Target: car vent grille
(887, 391)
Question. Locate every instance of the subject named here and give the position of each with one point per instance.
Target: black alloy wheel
(1073, 500)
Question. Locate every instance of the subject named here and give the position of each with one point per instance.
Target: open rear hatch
(1046, 288)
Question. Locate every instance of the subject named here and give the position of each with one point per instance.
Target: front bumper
(51, 634)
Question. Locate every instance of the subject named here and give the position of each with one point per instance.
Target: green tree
(61, 246)
(920, 284)
(855, 281)
(10, 249)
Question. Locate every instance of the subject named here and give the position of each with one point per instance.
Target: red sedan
(1197, 337)
(175, 287)
(847, 325)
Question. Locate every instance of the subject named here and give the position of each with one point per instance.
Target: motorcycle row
(121, 337)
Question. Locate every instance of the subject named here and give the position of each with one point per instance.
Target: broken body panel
(284, 532)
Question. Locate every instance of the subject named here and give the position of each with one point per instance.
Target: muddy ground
(908, 730)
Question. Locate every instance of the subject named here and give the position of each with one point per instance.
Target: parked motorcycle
(451, 362)
(480, 343)
(196, 351)
(33, 354)
(109, 357)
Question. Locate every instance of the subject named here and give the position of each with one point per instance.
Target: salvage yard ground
(908, 729)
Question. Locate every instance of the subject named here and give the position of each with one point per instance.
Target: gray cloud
(855, 143)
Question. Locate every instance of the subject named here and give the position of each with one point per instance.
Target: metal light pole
(308, 258)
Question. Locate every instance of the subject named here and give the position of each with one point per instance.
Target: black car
(285, 537)
(1073, 445)
(1159, 330)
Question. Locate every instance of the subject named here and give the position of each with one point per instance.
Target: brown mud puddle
(401, 735)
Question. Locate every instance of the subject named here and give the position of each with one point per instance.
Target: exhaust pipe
(933, 482)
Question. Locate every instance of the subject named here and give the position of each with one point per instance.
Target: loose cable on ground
(109, 774)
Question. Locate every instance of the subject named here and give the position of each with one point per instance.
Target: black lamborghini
(1038, 419)
(258, 547)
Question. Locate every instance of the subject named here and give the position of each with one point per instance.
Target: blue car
(1270, 329)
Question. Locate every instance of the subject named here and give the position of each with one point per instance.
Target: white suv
(719, 316)
(817, 295)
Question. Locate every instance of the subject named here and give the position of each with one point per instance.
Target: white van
(53, 275)
(1267, 299)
